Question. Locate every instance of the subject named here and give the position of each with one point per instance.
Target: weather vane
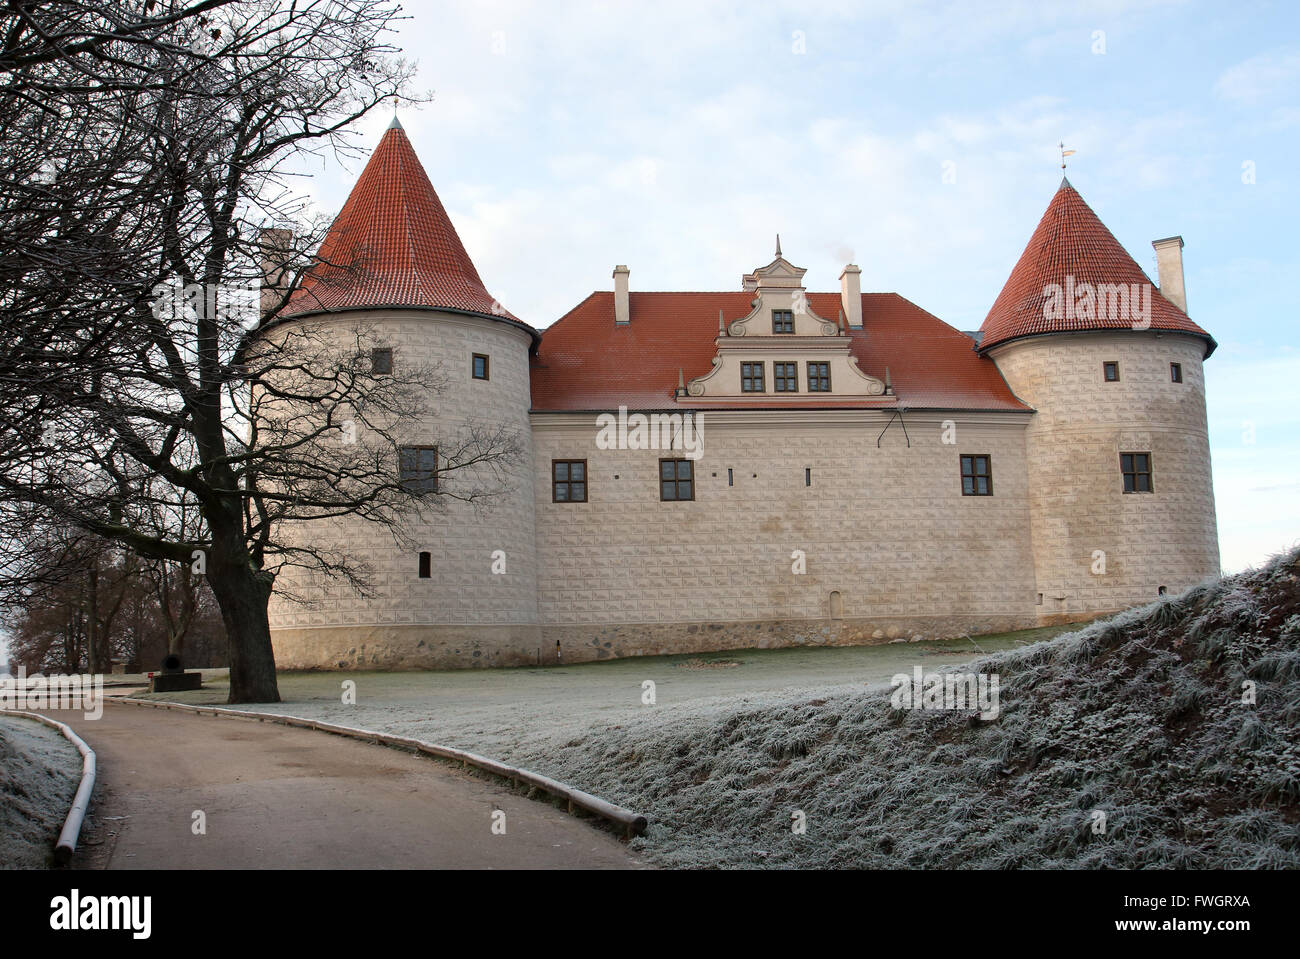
(1064, 153)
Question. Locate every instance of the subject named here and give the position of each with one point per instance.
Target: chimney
(1169, 269)
(622, 314)
(851, 295)
(275, 249)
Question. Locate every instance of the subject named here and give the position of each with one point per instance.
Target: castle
(768, 466)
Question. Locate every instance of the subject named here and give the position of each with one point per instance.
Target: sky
(918, 140)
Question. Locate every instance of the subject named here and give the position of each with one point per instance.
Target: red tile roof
(1071, 241)
(586, 362)
(393, 245)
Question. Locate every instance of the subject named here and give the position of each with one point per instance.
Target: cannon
(174, 678)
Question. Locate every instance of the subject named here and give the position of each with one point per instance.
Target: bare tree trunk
(243, 594)
(92, 620)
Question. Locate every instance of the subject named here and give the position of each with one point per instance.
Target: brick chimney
(851, 295)
(1169, 269)
(622, 313)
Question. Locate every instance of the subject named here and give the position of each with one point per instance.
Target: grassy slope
(1139, 716)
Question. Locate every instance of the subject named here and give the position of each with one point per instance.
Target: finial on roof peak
(778, 244)
(1065, 153)
(396, 124)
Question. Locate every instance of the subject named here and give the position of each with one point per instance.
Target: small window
(426, 566)
(807, 476)
(1162, 590)
(1040, 600)
(1176, 372)
(786, 377)
(782, 321)
(976, 476)
(676, 480)
(1136, 468)
(819, 377)
(381, 362)
(751, 378)
(480, 366)
(569, 481)
(418, 468)
(731, 479)
(1110, 371)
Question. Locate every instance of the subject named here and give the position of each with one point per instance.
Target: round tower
(462, 590)
(1121, 499)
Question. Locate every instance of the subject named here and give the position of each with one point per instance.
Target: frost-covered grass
(497, 711)
(1140, 718)
(39, 775)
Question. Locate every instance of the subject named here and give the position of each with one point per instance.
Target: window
(819, 377)
(480, 366)
(782, 321)
(418, 468)
(751, 378)
(676, 479)
(731, 479)
(381, 361)
(1110, 371)
(568, 481)
(426, 566)
(1136, 468)
(1176, 372)
(976, 477)
(786, 377)
(807, 476)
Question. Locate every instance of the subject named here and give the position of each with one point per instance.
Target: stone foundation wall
(594, 642)
(406, 647)
(470, 647)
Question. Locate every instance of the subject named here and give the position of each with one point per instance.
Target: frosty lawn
(494, 711)
(39, 775)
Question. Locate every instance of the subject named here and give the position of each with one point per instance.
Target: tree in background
(141, 152)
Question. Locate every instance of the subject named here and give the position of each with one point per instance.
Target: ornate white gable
(781, 327)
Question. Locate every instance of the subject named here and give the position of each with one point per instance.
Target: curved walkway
(274, 797)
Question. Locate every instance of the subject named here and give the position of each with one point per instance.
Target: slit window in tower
(426, 566)
(1136, 468)
(1110, 371)
(976, 476)
(480, 366)
(1176, 372)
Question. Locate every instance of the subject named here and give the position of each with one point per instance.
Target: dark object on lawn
(174, 678)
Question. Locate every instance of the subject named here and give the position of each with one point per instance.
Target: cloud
(1260, 78)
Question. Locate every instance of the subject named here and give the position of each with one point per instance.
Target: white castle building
(847, 467)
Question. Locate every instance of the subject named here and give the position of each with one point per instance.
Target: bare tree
(138, 387)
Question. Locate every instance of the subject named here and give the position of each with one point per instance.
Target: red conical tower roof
(1071, 247)
(393, 245)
